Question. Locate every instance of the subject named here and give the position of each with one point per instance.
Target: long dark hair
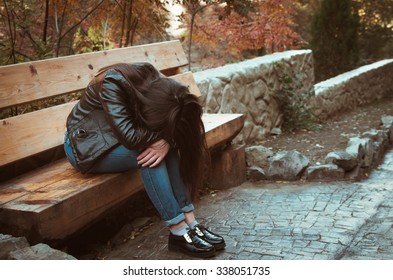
(167, 107)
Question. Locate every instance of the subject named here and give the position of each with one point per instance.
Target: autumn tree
(137, 20)
(262, 25)
(40, 29)
(334, 38)
(32, 29)
(269, 28)
(195, 8)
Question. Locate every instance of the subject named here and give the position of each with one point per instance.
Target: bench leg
(228, 167)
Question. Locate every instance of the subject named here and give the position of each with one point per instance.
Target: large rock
(255, 173)
(9, 243)
(325, 172)
(258, 156)
(378, 136)
(17, 248)
(287, 165)
(362, 149)
(39, 252)
(380, 139)
(387, 123)
(387, 120)
(342, 159)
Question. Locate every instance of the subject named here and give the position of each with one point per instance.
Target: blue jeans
(163, 184)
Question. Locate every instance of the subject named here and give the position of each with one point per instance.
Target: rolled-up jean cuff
(180, 217)
(175, 220)
(188, 208)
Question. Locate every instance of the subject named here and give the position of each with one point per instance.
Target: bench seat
(55, 201)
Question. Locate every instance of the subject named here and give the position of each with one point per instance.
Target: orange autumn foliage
(268, 27)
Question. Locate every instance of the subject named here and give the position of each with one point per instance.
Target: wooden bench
(54, 201)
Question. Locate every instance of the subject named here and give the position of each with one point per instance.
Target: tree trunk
(190, 39)
(59, 30)
(133, 30)
(105, 31)
(129, 23)
(123, 23)
(46, 19)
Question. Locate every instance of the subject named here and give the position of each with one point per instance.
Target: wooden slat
(56, 201)
(65, 204)
(29, 134)
(187, 79)
(221, 128)
(35, 80)
(35, 180)
(26, 135)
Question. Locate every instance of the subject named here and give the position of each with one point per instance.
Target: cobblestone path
(259, 220)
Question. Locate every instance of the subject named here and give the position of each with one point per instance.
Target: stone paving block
(317, 245)
(320, 206)
(233, 250)
(350, 224)
(340, 215)
(335, 248)
(306, 224)
(322, 257)
(360, 214)
(323, 224)
(252, 232)
(290, 256)
(266, 232)
(311, 250)
(300, 243)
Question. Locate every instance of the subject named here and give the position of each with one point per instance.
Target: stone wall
(357, 87)
(250, 87)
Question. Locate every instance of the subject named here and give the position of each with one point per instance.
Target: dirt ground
(334, 133)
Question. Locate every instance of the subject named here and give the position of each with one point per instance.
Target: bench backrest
(29, 134)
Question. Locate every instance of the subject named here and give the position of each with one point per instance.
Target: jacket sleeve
(117, 105)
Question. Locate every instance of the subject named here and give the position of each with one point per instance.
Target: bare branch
(12, 41)
(81, 20)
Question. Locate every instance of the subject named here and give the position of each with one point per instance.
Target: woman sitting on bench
(131, 116)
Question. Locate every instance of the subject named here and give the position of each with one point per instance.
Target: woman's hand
(154, 154)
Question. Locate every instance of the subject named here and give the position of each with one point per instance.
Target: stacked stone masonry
(346, 91)
(250, 87)
(353, 163)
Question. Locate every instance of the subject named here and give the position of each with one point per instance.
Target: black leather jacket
(105, 116)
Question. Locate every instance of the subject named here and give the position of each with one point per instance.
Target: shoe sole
(219, 247)
(174, 248)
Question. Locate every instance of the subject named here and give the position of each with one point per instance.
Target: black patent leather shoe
(191, 244)
(214, 239)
